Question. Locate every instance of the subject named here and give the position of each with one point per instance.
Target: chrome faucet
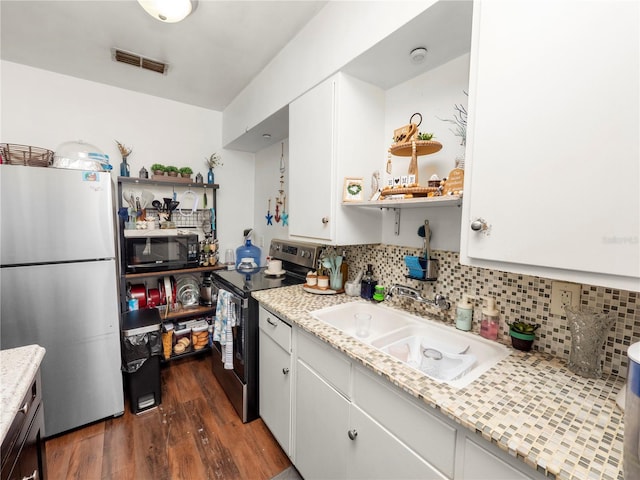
(439, 300)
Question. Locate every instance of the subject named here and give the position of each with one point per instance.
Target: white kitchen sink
(383, 319)
(439, 351)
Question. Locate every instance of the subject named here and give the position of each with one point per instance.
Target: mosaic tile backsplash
(518, 297)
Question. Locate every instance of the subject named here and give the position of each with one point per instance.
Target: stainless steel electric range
(241, 383)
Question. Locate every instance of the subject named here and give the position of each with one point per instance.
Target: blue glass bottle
(124, 168)
(210, 176)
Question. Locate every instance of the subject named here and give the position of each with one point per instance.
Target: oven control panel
(298, 253)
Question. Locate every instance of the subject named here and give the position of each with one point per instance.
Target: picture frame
(353, 189)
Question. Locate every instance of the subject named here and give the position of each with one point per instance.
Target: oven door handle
(239, 301)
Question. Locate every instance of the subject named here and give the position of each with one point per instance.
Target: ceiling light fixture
(266, 135)
(168, 11)
(418, 55)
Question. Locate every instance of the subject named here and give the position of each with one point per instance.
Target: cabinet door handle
(325, 220)
(353, 433)
(25, 408)
(285, 371)
(478, 225)
(271, 322)
(33, 476)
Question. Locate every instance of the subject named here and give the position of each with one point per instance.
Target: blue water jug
(248, 250)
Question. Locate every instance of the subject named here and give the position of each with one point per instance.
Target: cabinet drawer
(430, 438)
(275, 328)
(332, 366)
(481, 464)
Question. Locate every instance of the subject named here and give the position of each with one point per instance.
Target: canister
(631, 456)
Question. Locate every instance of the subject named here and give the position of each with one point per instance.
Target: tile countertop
(18, 368)
(530, 404)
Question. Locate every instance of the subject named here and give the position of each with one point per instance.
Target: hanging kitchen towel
(222, 327)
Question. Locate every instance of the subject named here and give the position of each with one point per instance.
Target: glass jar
(589, 329)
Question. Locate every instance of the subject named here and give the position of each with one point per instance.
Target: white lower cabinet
(374, 453)
(275, 377)
(334, 438)
(321, 423)
(407, 421)
(336, 419)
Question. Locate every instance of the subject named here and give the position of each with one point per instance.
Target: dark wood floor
(194, 434)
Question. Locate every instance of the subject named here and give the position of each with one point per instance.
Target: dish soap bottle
(368, 284)
(490, 320)
(464, 313)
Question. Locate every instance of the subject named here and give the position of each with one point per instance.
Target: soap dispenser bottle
(368, 284)
(464, 313)
(490, 320)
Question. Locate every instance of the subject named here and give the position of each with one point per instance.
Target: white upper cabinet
(336, 130)
(553, 141)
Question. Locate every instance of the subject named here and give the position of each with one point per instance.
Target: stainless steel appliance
(241, 383)
(157, 250)
(59, 288)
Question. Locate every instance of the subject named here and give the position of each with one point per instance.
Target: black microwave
(155, 253)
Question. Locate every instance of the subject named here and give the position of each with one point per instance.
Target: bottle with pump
(490, 320)
(368, 284)
(464, 313)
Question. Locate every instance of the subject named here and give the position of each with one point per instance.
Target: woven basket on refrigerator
(15, 154)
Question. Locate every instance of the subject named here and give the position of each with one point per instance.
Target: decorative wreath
(354, 188)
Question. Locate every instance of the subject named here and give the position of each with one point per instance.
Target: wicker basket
(15, 154)
(415, 191)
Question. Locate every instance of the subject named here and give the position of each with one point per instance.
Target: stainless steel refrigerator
(59, 289)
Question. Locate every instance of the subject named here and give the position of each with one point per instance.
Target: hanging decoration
(280, 199)
(268, 216)
(285, 215)
(282, 158)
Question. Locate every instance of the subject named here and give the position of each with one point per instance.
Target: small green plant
(158, 167)
(425, 136)
(185, 171)
(171, 168)
(523, 327)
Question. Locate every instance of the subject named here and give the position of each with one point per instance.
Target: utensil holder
(421, 269)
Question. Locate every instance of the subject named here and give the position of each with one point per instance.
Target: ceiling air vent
(139, 61)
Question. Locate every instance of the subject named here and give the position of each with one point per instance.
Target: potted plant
(172, 171)
(522, 335)
(158, 169)
(186, 172)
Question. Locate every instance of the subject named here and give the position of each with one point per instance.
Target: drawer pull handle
(272, 323)
(285, 371)
(352, 434)
(33, 476)
(25, 408)
(325, 220)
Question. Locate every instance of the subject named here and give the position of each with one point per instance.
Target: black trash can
(141, 351)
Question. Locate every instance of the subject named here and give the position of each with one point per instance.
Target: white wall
(433, 95)
(267, 181)
(45, 109)
(336, 35)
